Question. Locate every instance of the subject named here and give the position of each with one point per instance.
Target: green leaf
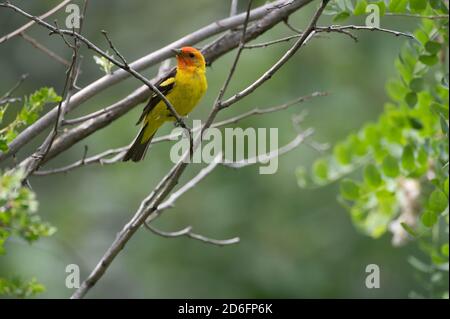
(398, 6)
(440, 109)
(358, 145)
(446, 187)
(433, 47)
(411, 99)
(415, 123)
(437, 259)
(360, 8)
(3, 144)
(438, 201)
(17, 288)
(409, 230)
(416, 84)
(422, 36)
(341, 16)
(390, 166)
(437, 5)
(372, 176)
(396, 90)
(342, 154)
(429, 60)
(349, 189)
(371, 134)
(418, 5)
(2, 112)
(408, 159)
(382, 6)
(104, 63)
(444, 250)
(320, 169)
(429, 218)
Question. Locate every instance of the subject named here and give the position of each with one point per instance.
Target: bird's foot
(176, 123)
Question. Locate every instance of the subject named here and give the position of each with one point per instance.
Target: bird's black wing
(165, 86)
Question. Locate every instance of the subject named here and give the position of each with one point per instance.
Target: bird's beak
(177, 51)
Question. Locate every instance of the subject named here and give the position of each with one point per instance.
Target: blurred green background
(294, 243)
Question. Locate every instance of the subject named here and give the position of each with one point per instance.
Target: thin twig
(149, 205)
(236, 59)
(117, 153)
(269, 73)
(100, 158)
(7, 97)
(263, 158)
(191, 184)
(267, 19)
(269, 43)
(71, 75)
(89, 116)
(187, 232)
(291, 27)
(8, 94)
(29, 24)
(9, 100)
(334, 28)
(411, 15)
(125, 66)
(44, 49)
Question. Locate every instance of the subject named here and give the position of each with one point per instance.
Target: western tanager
(183, 88)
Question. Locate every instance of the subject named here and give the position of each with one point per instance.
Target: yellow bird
(183, 88)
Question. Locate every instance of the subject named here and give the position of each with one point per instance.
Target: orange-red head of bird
(189, 57)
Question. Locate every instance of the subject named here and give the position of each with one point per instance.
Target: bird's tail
(138, 149)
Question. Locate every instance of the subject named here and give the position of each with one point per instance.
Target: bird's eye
(191, 55)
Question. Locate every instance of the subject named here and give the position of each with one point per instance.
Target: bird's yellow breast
(189, 88)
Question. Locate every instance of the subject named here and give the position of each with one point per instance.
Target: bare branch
(236, 59)
(31, 23)
(102, 158)
(125, 66)
(87, 117)
(268, 74)
(187, 232)
(299, 139)
(99, 158)
(291, 27)
(219, 48)
(164, 67)
(337, 28)
(295, 36)
(151, 203)
(9, 100)
(44, 49)
(6, 98)
(191, 184)
(234, 7)
(258, 111)
(225, 44)
(269, 43)
(71, 75)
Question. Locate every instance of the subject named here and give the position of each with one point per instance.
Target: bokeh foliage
(402, 158)
(293, 245)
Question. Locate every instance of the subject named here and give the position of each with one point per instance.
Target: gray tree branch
(277, 10)
(151, 203)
